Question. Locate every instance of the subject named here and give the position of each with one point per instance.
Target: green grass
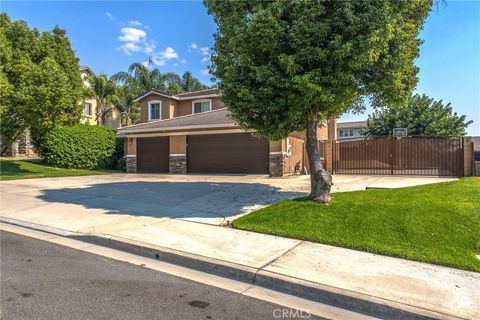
(437, 223)
(18, 169)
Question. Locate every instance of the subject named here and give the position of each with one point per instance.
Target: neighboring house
(23, 147)
(350, 130)
(192, 132)
(110, 120)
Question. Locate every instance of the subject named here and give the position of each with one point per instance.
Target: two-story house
(192, 132)
(110, 120)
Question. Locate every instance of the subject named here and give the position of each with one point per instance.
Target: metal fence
(434, 156)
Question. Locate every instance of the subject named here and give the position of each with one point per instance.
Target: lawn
(437, 223)
(18, 169)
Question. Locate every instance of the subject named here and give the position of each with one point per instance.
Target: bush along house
(192, 132)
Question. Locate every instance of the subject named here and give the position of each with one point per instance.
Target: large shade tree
(285, 66)
(421, 115)
(40, 85)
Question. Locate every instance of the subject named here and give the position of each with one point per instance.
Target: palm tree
(141, 77)
(124, 103)
(103, 91)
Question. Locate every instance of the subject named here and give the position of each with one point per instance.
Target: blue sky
(109, 35)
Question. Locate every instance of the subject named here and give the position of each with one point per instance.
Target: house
(23, 146)
(111, 120)
(350, 130)
(193, 133)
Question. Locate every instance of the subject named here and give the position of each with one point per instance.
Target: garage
(227, 153)
(153, 154)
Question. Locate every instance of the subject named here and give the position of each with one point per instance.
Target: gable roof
(87, 69)
(207, 93)
(211, 119)
(352, 124)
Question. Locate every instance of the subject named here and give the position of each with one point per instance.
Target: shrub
(79, 147)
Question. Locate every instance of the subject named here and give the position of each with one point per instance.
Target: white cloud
(129, 48)
(160, 58)
(169, 53)
(109, 15)
(135, 23)
(132, 35)
(203, 51)
(135, 40)
(204, 72)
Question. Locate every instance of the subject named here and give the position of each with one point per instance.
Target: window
(201, 106)
(87, 110)
(340, 133)
(351, 132)
(154, 110)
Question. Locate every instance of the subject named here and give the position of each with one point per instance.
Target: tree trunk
(320, 179)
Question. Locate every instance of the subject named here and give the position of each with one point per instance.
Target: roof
(217, 118)
(86, 68)
(352, 124)
(207, 93)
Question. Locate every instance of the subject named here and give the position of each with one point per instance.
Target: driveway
(211, 199)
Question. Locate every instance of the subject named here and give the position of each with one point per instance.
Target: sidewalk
(347, 278)
(118, 211)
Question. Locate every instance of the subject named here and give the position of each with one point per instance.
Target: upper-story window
(201, 106)
(87, 110)
(154, 110)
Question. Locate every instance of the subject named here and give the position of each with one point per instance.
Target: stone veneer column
(131, 155)
(131, 163)
(278, 163)
(178, 163)
(178, 154)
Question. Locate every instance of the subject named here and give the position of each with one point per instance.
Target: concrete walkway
(77, 207)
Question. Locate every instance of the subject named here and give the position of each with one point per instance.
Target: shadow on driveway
(200, 201)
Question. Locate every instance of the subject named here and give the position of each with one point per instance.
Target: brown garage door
(227, 153)
(153, 154)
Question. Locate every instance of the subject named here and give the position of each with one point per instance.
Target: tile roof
(180, 96)
(215, 118)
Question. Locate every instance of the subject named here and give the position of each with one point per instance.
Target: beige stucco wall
(166, 106)
(89, 119)
(178, 144)
(277, 146)
(184, 107)
(131, 146)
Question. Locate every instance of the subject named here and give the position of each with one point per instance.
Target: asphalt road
(42, 280)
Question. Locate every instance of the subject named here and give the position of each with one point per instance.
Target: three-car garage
(237, 153)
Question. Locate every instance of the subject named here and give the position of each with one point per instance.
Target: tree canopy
(283, 66)
(421, 115)
(40, 83)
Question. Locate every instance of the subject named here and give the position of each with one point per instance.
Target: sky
(178, 35)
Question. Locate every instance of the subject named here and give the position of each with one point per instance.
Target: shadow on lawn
(172, 199)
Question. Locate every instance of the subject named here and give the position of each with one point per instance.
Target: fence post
(467, 156)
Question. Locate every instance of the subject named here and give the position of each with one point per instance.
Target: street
(42, 280)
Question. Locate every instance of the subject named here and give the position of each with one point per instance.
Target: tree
(189, 83)
(123, 101)
(103, 91)
(285, 66)
(40, 84)
(421, 115)
(143, 78)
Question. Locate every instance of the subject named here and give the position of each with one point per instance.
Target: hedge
(80, 146)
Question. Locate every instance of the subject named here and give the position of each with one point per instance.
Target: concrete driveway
(213, 199)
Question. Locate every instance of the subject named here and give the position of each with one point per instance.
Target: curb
(340, 298)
